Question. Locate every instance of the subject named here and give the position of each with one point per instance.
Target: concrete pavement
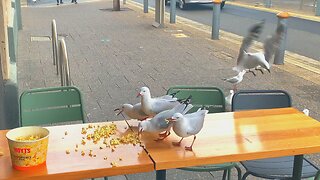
(112, 54)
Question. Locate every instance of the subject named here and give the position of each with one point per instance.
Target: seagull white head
(143, 91)
(176, 117)
(142, 126)
(124, 108)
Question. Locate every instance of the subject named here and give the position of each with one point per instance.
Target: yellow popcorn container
(28, 146)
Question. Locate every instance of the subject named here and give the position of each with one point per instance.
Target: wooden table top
(238, 136)
(73, 165)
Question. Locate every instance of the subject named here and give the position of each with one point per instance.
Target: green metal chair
(51, 105)
(213, 99)
(270, 168)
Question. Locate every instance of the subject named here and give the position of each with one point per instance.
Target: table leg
(297, 167)
(161, 174)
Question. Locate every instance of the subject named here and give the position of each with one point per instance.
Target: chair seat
(210, 167)
(278, 168)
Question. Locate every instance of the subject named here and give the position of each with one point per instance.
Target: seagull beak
(269, 70)
(120, 111)
(139, 94)
(171, 120)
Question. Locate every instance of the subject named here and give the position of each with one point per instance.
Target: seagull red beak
(139, 94)
(171, 119)
(118, 109)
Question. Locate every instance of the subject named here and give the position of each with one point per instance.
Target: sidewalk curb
(292, 14)
(296, 62)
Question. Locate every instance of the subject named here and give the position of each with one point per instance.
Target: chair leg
(105, 178)
(224, 174)
(245, 175)
(317, 177)
(239, 172)
(229, 174)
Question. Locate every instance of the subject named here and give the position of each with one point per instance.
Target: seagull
(260, 60)
(228, 99)
(188, 125)
(236, 79)
(252, 61)
(159, 122)
(152, 106)
(132, 111)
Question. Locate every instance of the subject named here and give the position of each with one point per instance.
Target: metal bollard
(216, 19)
(317, 8)
(116, 5)
(279, 54)
(145, 6)
(172, 11)
(267, 3)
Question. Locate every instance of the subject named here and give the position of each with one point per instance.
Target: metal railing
(60, 56)
(64, 64)
(54, 40)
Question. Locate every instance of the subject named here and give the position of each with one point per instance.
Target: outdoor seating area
(121, 99)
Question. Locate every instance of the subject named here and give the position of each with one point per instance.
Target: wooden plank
(4, 46)
(73, 165)
(246, 135)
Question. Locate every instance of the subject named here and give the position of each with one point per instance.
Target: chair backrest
(51, 105)
(210, 97)
(260, 99)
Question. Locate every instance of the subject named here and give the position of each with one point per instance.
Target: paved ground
(112, 54)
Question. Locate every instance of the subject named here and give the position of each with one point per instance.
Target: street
(303, 35)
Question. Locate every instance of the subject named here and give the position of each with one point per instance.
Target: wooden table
(73, 165)
(239, 136)
(225, 137)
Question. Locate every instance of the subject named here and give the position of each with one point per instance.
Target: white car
(182, 3)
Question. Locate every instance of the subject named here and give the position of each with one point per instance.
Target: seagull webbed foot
(260, 70)
(252, 72)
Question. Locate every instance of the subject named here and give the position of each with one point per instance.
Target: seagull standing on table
(159, 122)
(132, 111)
(152, 106)
(188, 125)
(236, 79)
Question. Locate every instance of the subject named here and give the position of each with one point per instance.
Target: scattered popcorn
(83, 142)
(28, 138)
(83, 131)
(83, 153)
(66, 133)
(113, 164)
(77, 146)
(76, 150)
(101, 147)
(67, 151)
(90, 153)
(120, 159)
(105, 158)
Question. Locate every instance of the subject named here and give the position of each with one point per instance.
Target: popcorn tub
(28, 146)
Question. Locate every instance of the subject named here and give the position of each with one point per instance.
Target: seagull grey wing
(168, 97)
(254, 33)
(189, 106)
(160, 105)
(232, 80)
(273, 42)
